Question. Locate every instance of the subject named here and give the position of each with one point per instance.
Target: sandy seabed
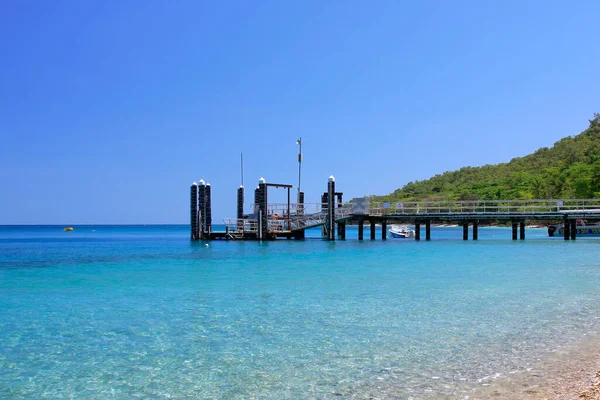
(569, 373)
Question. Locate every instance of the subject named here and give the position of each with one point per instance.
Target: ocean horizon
(120, 311)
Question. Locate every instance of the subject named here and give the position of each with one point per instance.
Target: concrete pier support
(466, 230)
(417, 230)
(342, 230)
(573, 229)
(522, 230)
(194, 211)
(475, 230)
(383, 230)
(361, 229)
(372, 230)
(331, 208)
(428, 230)
(567, 228)
(514, 230)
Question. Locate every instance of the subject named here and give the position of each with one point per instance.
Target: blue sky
(110, 110)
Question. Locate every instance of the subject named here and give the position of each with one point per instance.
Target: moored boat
(581, 228)
(401, 232)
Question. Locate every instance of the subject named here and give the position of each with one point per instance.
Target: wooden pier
(290, 220)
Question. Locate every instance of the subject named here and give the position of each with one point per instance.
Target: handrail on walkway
(483, 206)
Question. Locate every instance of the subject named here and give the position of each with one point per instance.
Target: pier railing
(308, 215)
(483, 207)
(238, 226)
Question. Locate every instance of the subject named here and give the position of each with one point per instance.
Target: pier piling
(466, 230)
(342, 230)
(383, 230)
(522, 230)
(428, 230)
(361, 229)
(208, 212)
(417, 230)
(202, 209)
(331, 208)
(372, 230)
(573, 229)
(194, 211)
(262, 209)
(324, 207)
(240, 208)
(340, 204)
(567, 228)
(475, 230)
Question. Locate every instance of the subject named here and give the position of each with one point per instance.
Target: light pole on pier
(299, 142)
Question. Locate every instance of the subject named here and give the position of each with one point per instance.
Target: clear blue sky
(110, 110)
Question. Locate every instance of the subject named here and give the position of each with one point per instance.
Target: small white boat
(581, 229)
(401, 232)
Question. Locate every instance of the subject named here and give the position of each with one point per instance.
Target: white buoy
(207, 245)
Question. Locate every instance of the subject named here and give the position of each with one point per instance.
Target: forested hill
(569, 169)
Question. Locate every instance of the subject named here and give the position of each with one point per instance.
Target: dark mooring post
(514, 230)
(339, 205)
(300, 209)
(475, 230)
(361, 229)
(262, 209)
(331, 208)
(240, 208)
(256, 192)
(202, 209)
(208, 212)
(194, 210)
(573, 229)
(428, 230)
(342, 230)
(466, 230)
(567, 228)
(372, 229)
(417, 230)
(324, 203)
(522, 230)
(383, 230)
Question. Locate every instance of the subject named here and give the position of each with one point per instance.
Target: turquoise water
(124, 312)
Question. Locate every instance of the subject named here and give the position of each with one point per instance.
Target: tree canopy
(569, 169)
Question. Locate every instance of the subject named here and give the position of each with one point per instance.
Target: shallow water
(123, 312)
